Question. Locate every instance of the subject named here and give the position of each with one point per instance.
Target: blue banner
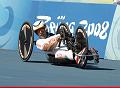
(96, 19)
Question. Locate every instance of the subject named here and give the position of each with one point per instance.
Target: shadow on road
(38, 61)
(92, 67)
(89, 66)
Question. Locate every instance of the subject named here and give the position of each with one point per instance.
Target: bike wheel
(26, 41)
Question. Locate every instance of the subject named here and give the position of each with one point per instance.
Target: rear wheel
(25, 41)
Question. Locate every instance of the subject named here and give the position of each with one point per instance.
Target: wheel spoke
(25, 32)
(25, 52)
(21, 47)
(21, 37)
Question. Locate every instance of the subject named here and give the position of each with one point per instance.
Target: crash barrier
(100, 21)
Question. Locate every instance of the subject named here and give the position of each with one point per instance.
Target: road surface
(39, 72)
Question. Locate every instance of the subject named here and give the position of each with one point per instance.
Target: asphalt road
(39, 72)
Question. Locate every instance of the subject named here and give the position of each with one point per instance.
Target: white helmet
(38, 24)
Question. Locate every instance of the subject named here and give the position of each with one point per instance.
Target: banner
(96, 19)
(11, 18)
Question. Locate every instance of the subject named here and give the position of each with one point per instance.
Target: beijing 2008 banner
(96, 19)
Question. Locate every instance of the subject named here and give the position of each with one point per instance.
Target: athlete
(48, 41)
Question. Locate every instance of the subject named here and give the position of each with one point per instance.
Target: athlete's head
(40, 29)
